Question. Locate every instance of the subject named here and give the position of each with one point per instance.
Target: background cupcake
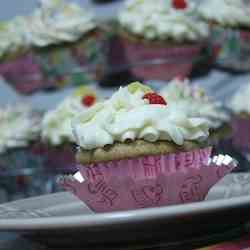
(20, 161)
(230, 22)
(59, 43)
(57, 133)
(158, 39)
(240, 105)
(137, 151)
(194, 100)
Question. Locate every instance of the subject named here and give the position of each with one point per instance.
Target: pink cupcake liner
(23, 73)
(145, 182)
(162, 62)
(241, 133)
(116, 53)
(151, 61)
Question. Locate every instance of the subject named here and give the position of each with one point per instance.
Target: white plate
(227, 205)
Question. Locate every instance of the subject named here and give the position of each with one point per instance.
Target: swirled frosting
(56, 124)
(195, 102)
(226, 12)
(159, 20)
(240, 102)
(55, 21)
(58, 21)
(11, 35)
(127, 116)
(19, 126)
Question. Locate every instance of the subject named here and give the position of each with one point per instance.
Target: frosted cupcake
(57, 129)
(161, 39)
(20, 161)
(240, 105)
(138, 151)
(59, 43)
(230, 22)
(194, 100)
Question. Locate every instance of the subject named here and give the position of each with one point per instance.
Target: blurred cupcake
(57, 130)
(195, 102)
(20, 161)
(230, 22)
(58, 44)
(138, 151)
(240, 105)
(160, 39)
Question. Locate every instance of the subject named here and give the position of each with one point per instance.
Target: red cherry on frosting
(155, 98)
(179, 4)
(88, 100)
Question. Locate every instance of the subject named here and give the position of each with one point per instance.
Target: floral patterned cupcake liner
(57, 65)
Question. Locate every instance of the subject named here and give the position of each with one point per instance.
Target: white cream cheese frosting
(231, 13)
(240, 102)
(11, 35)
(58, 21)
(128, 116)
(54, 22)
(159, 20)
(19, 126)
(194, 101)
(56, 124)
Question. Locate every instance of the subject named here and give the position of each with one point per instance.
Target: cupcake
(240, 106)
(57, 136)
(158, 40)
(136, 151)
(20, 161)
(230, 23)
(58, 44)
(194, 100)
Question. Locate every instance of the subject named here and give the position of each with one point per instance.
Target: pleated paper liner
(151, 181)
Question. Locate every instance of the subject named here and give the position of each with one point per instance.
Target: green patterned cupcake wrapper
(233, 47)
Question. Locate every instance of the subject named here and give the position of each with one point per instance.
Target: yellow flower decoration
(135, 86)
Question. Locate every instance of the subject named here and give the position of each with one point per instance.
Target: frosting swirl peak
(19, 126)
(194, 101)
(56, 124)
(231, 13)
(54, 22)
